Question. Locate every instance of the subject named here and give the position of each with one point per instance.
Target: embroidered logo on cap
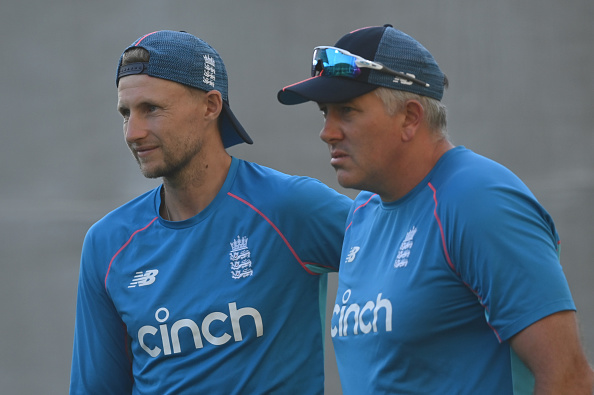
(209, 71)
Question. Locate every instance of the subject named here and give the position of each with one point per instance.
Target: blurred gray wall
(521, 93)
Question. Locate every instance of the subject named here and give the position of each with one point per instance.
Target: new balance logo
(141, 279)
(352, 253)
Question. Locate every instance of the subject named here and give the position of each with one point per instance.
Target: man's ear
(413, 117)
(214, 104)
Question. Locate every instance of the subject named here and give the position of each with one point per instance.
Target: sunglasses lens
(332, 63)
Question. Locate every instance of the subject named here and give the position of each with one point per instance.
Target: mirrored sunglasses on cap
(337, 62)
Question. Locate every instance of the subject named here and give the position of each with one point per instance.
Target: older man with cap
(213, 282)
(450, 280)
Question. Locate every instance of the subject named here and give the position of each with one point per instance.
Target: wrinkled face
(363, 140)
(162, 124)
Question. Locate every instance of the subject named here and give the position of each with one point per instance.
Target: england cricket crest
(405, 247)
(210, 72)
(241, 264)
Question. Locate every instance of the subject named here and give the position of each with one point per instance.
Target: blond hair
(435, 112)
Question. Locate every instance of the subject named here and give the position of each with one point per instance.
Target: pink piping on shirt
(445, 250)
(443, 242)
(124, 246)
(363, 205)
(303, 264)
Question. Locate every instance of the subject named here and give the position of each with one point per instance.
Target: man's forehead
(142, 80)
(142, 88)
(156, 83)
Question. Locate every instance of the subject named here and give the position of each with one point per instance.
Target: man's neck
(413, 170)
(189, 194)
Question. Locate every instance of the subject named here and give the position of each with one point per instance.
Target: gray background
(521, 93)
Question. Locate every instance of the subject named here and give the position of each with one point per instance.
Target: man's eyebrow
(143, 103)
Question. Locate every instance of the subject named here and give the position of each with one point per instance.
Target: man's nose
(134, 129)
(331, 131)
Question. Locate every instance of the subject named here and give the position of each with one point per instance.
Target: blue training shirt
(230, 301)
(432, 286)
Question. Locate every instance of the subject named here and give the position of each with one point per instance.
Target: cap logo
(403, 81)
(209, 71)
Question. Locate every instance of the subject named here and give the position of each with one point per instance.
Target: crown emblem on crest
(239, 244)
(410, 234)
(209, 60)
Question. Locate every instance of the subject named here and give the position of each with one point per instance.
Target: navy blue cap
(188, 60)
(382, 44)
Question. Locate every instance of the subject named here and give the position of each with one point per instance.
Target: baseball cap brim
(324, 90)
(232, 132)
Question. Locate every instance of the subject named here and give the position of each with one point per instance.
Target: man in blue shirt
(450, 281)
(212, 283)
